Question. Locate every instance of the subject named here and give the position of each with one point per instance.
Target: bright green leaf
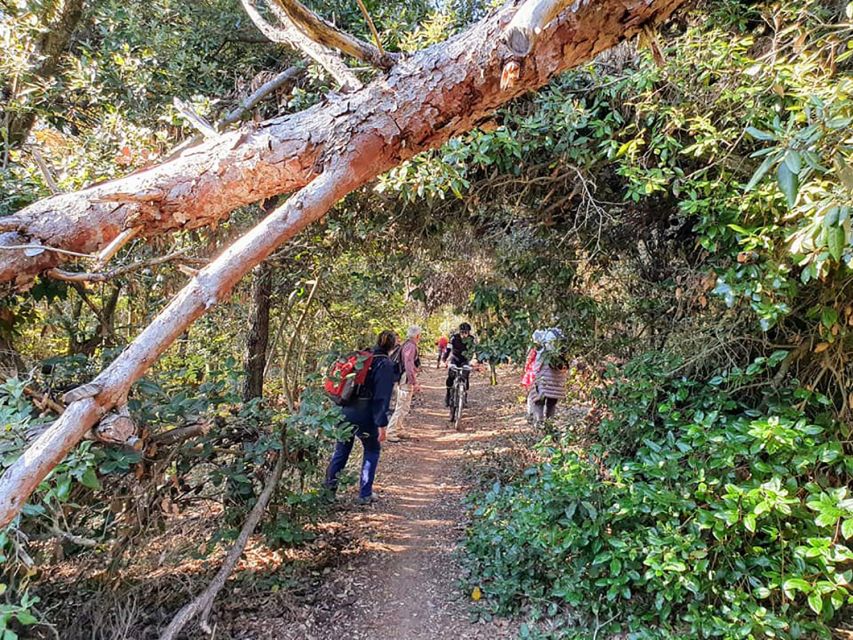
(835, 240)
(90, 479)
(788, 183)
(816, 602)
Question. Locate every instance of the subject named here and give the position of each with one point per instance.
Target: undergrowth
(697, 514)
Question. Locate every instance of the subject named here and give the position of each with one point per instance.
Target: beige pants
(401, 410)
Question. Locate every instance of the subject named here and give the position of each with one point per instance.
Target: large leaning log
(333, 148)
(422, 101)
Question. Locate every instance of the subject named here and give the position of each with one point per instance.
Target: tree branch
(104, 276)
(106, 254)
(288, 34)
(371, 26)
(285, 77)
(529, 21)
(198, 123)
(179, 434)
(203, 603)
(328, 34)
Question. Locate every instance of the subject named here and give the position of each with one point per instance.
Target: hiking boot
(368, 500)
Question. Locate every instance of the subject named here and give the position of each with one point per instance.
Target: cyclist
(460, 349)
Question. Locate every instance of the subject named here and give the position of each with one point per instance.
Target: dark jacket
(370, 410)
(460, 349)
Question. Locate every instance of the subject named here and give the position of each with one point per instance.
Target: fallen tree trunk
(420, 103)
(341, 144)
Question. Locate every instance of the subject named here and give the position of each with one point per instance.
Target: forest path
(404, 581)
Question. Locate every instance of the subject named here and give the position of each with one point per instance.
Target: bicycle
(458, 393)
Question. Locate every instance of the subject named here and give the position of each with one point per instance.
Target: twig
(104, 276)
(371, 26)
(45, 171)
(73, 538)
(199, 123)
(288, 75)
(203, 603)
(43, 400)
(44, 247)
(106, 254)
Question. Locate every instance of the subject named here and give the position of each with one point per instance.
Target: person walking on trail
(368, 414)
(410, 363)
(550, 369)
(459, 351)
(441, 343)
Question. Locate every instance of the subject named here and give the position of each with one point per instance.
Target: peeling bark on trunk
(348, 140)
(259, 333)
(425, 99)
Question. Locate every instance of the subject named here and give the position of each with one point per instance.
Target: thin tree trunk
(59, 23)
(435, 94)
(259, 332)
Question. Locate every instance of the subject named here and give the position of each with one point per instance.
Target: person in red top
(529, 376)
(441, 343)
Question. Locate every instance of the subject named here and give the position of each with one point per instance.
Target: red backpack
(347, 376)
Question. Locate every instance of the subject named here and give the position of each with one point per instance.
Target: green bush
(697, 516)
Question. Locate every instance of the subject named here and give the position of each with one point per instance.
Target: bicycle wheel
(452, 403)
(460, 401)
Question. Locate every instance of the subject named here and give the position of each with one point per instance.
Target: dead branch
(113, 247)
(112, 274)
(179, 434)
(73, 538)
(197, 122)
(529, 21)
(288, 34)
(34, 249)
(46, 172)
(329, 35)
(371, 26)
(44, 401)
(203, 603)
(287, 76)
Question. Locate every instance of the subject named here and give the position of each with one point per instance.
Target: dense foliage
(696, 515)
(713, 190)
(680, 207)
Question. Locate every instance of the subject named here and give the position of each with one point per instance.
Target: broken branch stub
(529, 21)
(328, 34)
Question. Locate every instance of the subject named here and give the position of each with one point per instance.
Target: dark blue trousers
(372, 447)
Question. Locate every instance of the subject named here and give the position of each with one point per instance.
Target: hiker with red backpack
(366, 383)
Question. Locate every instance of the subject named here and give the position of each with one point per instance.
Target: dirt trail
(404, 581)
